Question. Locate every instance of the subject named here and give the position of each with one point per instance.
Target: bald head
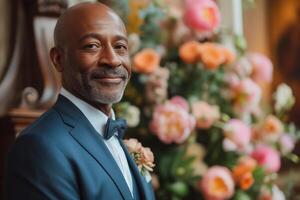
(76, 15)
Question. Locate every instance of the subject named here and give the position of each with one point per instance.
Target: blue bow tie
(115, 126)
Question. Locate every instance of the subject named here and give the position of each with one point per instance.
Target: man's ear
(56, 56)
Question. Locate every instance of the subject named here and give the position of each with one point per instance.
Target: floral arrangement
(201, 106)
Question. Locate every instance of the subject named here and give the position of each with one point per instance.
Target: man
(67, 153)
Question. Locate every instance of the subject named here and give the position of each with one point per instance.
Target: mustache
(112, 72)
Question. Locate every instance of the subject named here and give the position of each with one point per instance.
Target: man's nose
(109, 57)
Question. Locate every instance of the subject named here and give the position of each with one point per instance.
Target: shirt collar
(96, 117)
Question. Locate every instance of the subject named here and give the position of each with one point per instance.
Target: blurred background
(29, 84)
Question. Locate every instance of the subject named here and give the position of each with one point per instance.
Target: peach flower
(142, 156)
(157, 85)
(238, 134)
(189, 52)
(267, 157)
(174, 8)
(180, 33)
(133, 145)
(272, 128)
(197, 151)
(202, 15)
(212, 55)
(247, 95)
(229, 55)
(147, 158)
(217, 183)
(262, 67)
(171, 123)
(205, 114)
(146, 61)
(247, 161)
(272, 125)
(243, 67)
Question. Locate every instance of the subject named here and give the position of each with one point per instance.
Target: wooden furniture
(30, 83)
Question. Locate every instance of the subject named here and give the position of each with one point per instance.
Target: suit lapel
(92, 142)
(141, 181)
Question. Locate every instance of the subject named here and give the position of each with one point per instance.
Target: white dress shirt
(98, 120)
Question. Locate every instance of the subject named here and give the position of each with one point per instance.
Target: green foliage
(259, 176)
(151, 34)
(176, 171)
(241, 195)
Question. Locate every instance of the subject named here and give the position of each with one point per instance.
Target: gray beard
(103, 99)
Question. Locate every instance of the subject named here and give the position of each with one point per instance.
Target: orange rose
(189, 52)
(229, 55)
(212, 55)
(146, 61)
(246, 181)
(239, 170)
(242, 173)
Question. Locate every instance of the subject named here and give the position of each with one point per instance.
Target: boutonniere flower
(142, 156)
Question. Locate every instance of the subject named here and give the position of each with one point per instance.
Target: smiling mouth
(109, 79)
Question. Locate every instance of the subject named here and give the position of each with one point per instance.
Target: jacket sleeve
(36, 169)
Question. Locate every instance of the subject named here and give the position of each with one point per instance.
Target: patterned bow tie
(115, 126)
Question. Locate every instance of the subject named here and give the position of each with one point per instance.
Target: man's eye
(91, 46)
(121, 47)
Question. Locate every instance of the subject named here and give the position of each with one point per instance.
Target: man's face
(96, 58)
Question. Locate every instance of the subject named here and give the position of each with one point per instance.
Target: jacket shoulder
(48, 121)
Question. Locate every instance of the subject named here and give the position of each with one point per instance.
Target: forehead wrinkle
(97, 36)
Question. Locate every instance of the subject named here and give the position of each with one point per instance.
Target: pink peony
(180, 101)
(267, 157)
(172, 123)
(238, 134)
(217, 183)
(262, 67)
(247, 95)
(202, 15)
(286, 143)
(205, 114)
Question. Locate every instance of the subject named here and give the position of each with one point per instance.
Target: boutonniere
(142, 156)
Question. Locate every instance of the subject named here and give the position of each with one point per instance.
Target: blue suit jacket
(61, 156)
